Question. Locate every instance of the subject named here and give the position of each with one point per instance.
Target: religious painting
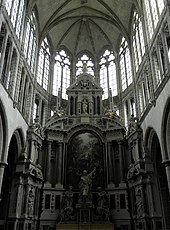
(85, 152)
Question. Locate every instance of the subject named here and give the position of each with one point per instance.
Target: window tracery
(138, 41)
(108, 79)
(125, 65)
(30, 42)
(43, 64)
(153, 11)
(15, 10)
(61, 78)
(84, 60)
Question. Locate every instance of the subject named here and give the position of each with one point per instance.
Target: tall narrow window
(82, 61)
(138, 40)
(61, 79)
(3, 34)
(43, 64)
(141, 104)
(108, 73)
(153, 9)
(125, 65)
(30, 42)
(12, 71)
(157, 72)
(126, 113)
(15, 11)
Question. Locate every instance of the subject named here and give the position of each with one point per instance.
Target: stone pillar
(69, 105)
(96, 105)
(121, 161)
(59, 165)
(167, 167)
(39, 113)
(109, 166)
(101, 107)
(135, 150)
(25, 207)
(48, 171)
(74, 107)
(150, 196)
(2, 166)
(30, 107)
(21, 97)
(63, 170)
(25, 98)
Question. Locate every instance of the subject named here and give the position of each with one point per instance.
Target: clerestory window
(84, 61)
(153, 10)
(30, 42)
(138, 41)
(15, 10)
(61, 79)
(125, 65)
(108, 79)
(43, 64)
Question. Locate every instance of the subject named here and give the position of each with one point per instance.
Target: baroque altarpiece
(84, 168)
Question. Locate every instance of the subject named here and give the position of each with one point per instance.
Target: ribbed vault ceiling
(84, 24)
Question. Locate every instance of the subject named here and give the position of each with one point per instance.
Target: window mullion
(107, 65)
(157, 8)
(17, 15)
(12, 6)
(61, 86)
(139, 43)
(125, 66)
(43, 69)
(137, 53)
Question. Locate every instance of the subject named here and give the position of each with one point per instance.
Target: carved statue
(112, 114)
(68, 197)
(84, 106)
(133, 124)
(59, 112)
(36, 127)
(84, 69)
(31, 201)
(67, 208)
(85, 186)
(103, 203)
(139, 205)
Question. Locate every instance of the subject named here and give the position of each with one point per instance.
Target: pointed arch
(166, 130)
(3, 132)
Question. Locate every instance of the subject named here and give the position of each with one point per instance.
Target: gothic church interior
(84, 114)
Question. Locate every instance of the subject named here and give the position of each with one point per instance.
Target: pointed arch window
(125, 65)
(138, 41)
(86, 60)
(61, 79)
(153, 10)
(15, 10)
(43, 64)
(108, 79)
(30, 42)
